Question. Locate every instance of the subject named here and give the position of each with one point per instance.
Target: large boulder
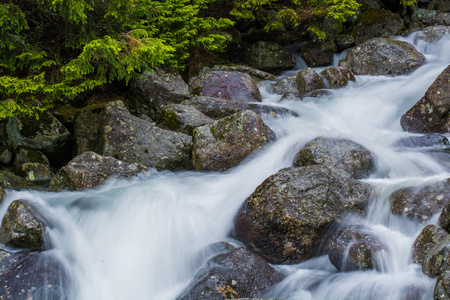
(337, 77)
(256, 74)
(154, 90)
(87, 123)
(47, 135)
(340, 154)
(216, 108)
(269, 57)
(376, 23)
(227, 85)
(235, 274)
(308, 80)
(420, 202)
(354, 248)
(32, 275)
(134, 140)
(427, 17)
(285, 219)
(383, 56)
(182, 118)
(431, 113)
(228, 141)
(23, 227)
(433, 34)
(89, 170)
(318, 54)
(287, 87)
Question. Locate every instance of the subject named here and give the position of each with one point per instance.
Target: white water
(145, 238)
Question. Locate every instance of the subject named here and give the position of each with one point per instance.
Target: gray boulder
(433, 34)
(89, 170)
(87, 123)
(354, 248)
(382, 56)
(216, 108)
(235, 274)
(287, 86)
(23, 227)
(256, 74)
(339, 154)
(227, 85)
(308, 80)
(376, 23)
(269, 57)
(442, 287)
(318, 54)
(431, 113)
(444, 217)
(182, 118)
(228, 141)
(134, 140)
(420, 202)
(285, 219)
(33, 275)
(344, 41)
(426, 17)
(154, 90)
(337, 77)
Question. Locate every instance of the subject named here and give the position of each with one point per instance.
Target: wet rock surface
(420, 202)
(235, 274)
(433, 34)
(11, 180)
(318, 54)
(227, 85)
(34, 172)
(134, 140)
(228, 141)
(382, 56)
(339, 154)
(23, 226)
(216, 108)
(89, 170)
(156, 89)
(354, 248)
(337, 77)
(269, 57)
(308, 80)
(255, 73)
(442, 288)
(428, 140)
(32, 275)
(287, 86)
(432, 112)
(182, 118)
(286, 217)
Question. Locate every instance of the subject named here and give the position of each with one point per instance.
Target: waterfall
(146, 237)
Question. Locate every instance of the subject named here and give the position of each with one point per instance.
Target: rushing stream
(146, 237)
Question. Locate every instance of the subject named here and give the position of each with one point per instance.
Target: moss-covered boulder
(182, 118)
(10, 180)
(23, 227)
(34, 172)
(376, 23)
(308, 80)
(236, 274)
(432, 112)
(428, 17)
(134, 140)
(354, 248)
(269, 57)
(318, 54)
(337, 77)
(340, 154)
(228, 141)
(227, 85)
(287, 87)
(33, 275)
(89, 170)
(154, 90)
(420, 202)
(285, 219)
(383, 56)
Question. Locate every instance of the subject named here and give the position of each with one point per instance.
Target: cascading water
(145, 238)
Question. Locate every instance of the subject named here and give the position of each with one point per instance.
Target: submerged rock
(22, 227)
(382, 56)
(227, 85)
(420, 202)
(134, 140)
(228, 141)
(89, 170)
(341, 154)
(432, 112)
(236, 274)
(269, 57)
(285, 218)
(32, 275)
(182, 118)
(354, 248)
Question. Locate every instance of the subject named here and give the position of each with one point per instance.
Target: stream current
(146, 237)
